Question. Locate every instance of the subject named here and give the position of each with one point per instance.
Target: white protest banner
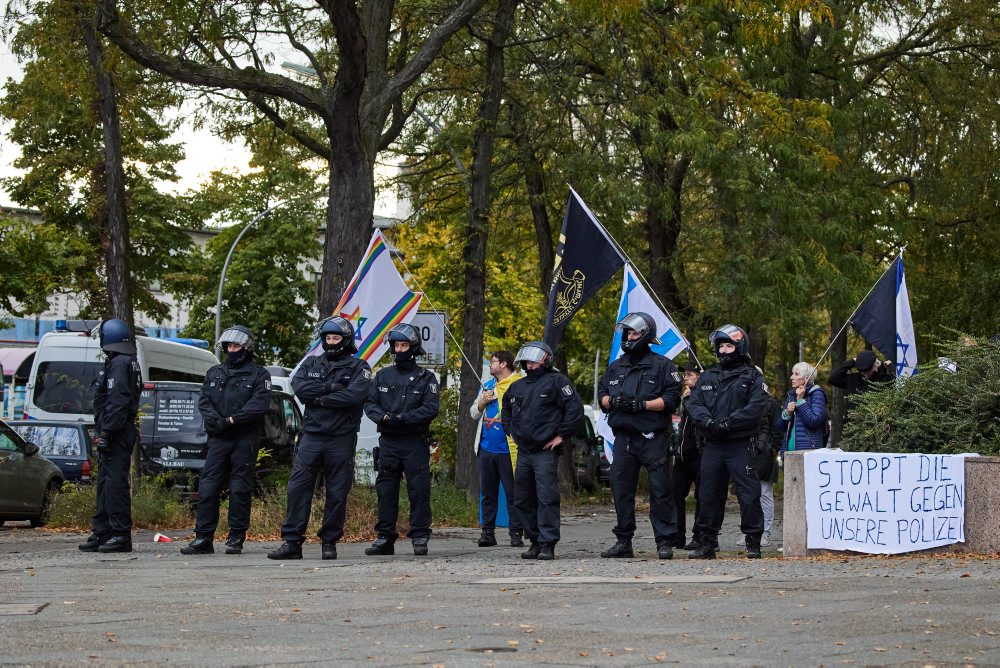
(883, 503)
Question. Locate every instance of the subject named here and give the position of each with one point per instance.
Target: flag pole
(848, 321)
(646, 284)
(477, 372)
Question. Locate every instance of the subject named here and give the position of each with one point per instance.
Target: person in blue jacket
(803, 419)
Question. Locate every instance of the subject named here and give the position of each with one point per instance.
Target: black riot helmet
(639, 322)
(405, 332)
(238, 334)
(116, 337)
(534, 351)
(730, 334)
(337, 325)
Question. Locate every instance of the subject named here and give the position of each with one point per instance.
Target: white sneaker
(741, 541)
(765, 539)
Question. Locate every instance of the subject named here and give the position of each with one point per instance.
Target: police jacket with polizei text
(116, 400)
(652, 377)
(333, 392)
(728, 401)
(240, 392)
(537, 408)
(412, 395)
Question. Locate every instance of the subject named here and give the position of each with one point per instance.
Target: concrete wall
(982, 509)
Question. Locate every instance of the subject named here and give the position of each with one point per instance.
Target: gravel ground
(464, 605)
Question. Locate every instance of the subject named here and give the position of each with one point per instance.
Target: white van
(68, 366)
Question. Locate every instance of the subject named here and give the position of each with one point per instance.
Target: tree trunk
(663, 228)
(474, 253)
(116, 239)
(535, 185)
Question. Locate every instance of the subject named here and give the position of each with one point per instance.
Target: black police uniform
(642, 439)
(116, 403)
(727, 405)
(333, 392)
(242, 392)
(410, 392)
(536, 409)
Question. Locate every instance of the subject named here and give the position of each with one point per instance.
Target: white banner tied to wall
(883, 503)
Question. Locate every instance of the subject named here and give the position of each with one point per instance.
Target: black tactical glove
(624, 404)
(103, 443)
(393, 421)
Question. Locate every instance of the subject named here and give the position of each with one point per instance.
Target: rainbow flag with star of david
(375, 301)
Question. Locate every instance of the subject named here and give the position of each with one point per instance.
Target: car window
(7, 441)
(67, 387)
(53, 440)
(291, 416)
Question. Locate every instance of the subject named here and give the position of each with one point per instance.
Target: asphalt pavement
(464, 605)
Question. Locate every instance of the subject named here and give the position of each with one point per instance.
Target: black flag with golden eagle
(586, 258)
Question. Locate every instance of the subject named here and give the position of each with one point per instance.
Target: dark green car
(28, 481)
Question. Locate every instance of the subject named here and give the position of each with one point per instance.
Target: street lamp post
(225, 265)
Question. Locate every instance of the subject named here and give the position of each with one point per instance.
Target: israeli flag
(672, 342)
(906, 342)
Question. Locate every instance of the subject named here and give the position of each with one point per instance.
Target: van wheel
(50, 494)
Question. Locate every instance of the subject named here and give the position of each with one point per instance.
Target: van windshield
(67, 387)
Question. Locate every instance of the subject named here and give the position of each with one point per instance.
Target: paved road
(465, 605)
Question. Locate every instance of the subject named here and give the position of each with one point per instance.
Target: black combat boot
(547, 551)
(753, 546)
(664, 551)
(533, 551)
(487, 538)
(381, 547)
(234, 543)
(693, 545)
(705, 551)
(620, 550)
(116, 544)
(329, 551)
(92, 543)
(199, 545)
(420, 546)
(287, 550)
(515, 538)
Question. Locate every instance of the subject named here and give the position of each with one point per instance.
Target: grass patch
(154, 506)
(158, 507)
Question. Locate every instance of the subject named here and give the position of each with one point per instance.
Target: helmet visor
(531, 354)
(636, 322)
(233, 335)
(403, 332)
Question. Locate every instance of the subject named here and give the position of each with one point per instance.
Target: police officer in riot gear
(726, 405)
(639, 392)
(540, 411)
(333, 387)
(234, 399)
(116, 403)
(402, 403)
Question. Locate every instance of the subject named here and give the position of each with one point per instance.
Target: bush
(444, 430)
(154, 506)
(937, 410)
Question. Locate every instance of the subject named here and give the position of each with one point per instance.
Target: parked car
(68, 445)
(587, 448)
(173, 438)
(28, 481)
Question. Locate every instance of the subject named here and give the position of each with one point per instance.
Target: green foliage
(444, 430)
(935, 411)
(154, 506)
(265, 287)
(36, 259)
(55, 122)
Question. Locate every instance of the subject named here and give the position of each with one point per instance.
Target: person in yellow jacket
(496, 452)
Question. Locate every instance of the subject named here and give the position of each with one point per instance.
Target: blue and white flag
(906, 340)
(884, 319)
(672, 342)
